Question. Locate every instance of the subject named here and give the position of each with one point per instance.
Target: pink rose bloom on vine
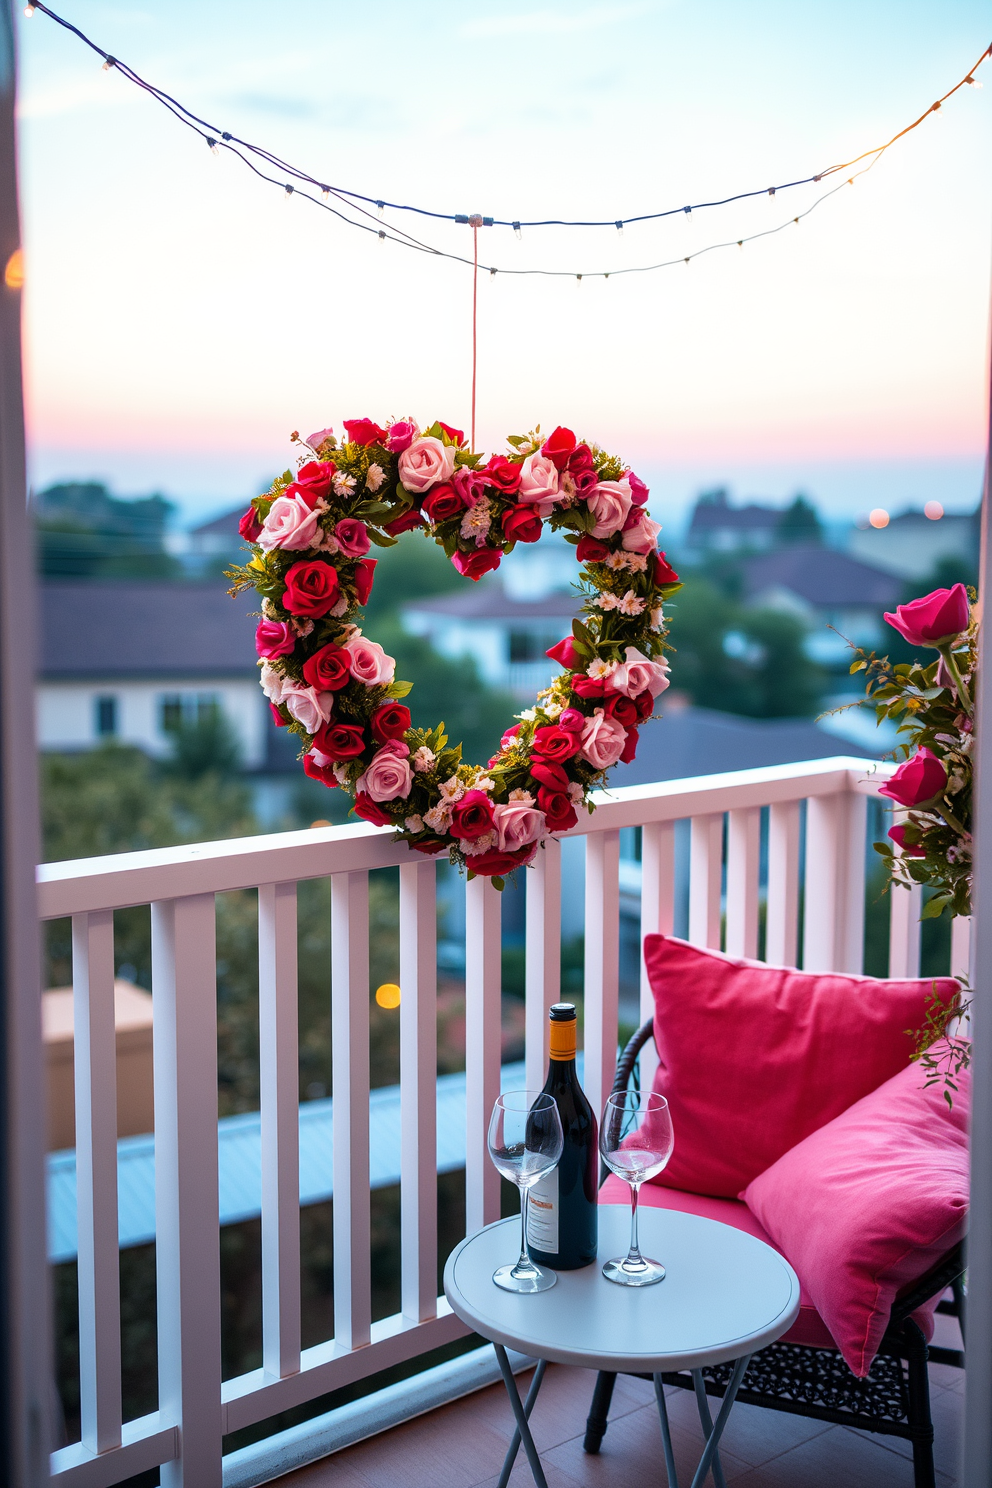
(603, 740)
(917, 780)
(289, 524)
(307, 705)
(935, 619)
(317, 439)
(352, 537)
(637, 674)
(389, 776)
(539, 484)
(609, 502)
(425, 462)
(274, 638)
(401, 435)
(369, 663)
(517, 825)
(641, 536)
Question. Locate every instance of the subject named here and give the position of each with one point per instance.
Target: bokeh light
(388, 995)
(879, 517)
(933, 510)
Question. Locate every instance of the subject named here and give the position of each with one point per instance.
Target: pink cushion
(867, 1204)
(753, 1058)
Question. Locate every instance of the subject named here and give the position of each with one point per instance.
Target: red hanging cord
(475, 223)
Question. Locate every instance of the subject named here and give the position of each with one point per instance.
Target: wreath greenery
(337, 690)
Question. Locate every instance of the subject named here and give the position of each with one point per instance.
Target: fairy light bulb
(972, 82)
(288, 190)
(29, 11)
(109, 62)
(212, 146)
(382, 236)
(516, 231)
(378, 207)
(619, 228)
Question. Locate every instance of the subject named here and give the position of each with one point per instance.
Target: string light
(108, 63)
(619, 228)
(29, 11)
(973, 82)
(212, 146)
(516, 231)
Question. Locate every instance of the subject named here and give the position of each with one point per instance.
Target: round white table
(725, 1296)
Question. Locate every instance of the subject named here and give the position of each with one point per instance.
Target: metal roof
(822, 577)
(239, 1150)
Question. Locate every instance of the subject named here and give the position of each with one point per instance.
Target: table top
(726, 1294)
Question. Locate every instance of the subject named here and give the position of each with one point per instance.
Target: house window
(179, 708)
(525, 645)
(106, 717)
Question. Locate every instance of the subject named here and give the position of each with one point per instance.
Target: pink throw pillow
(867, 1204)
(753, 1058)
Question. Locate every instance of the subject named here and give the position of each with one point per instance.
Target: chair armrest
(627, 1060)
(937, 1280)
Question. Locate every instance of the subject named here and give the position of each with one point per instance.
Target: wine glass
(525, 1143)
(636, 1140)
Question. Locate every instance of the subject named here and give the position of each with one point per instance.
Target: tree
(84, 532)
(799, 523)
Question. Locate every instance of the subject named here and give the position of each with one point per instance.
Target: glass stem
(524, 1263)
(634, 1257)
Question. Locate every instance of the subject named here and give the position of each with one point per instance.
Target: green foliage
(207, 745)
(799, 523)
(84, 532)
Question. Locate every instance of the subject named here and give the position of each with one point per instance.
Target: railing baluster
(961, 946)
(187, 1223)
(418, 1090)
(782, 904)
(705, 875)
(350, 1076)
(834, 921)
(95, 1043)
(483, 985)
(657, 917)
(543, 967)
(279, 1080)
(743, 862)
(602, 965)
(904, 924)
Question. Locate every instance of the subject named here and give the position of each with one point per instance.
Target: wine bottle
(562, 1216)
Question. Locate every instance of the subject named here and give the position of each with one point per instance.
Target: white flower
(576, 792)
(608, 601)
(476, 522)
(637, 562)
(343, 484)
(524, 797)
(483, 782)
(268, 609)
(273, 683)
(340, 607)
(657, 618)
(341, 773)
(553, 707)
(300, 626)
(375, 477)
(528, 715)
(414, 823)
(423, 759)
(478, 844)
(452, 790)
(630, 604)
(599, 670)
(615, 561)
(307, 705)
(438, 818)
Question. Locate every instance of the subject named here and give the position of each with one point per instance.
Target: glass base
(517, 1279)
(634, 1273)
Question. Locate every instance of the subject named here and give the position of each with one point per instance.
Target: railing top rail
(122, 879)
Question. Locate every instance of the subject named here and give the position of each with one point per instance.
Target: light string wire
(217, 139)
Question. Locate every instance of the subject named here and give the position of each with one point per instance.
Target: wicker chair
(893, 1399)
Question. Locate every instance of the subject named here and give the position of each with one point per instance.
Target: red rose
(630, 747)
(443, 503)
(472, 816)
(935, 619)
(474, 565)
(546, 772)
(898, 835)
(430, 845)
(250, 526)
(522, 524)
(494, 864)
(585, 480)
(340, 741)
(391, 721)
(311, 588)
(588, 687)
(313, 481)
(559, 444)
(364, 431)
(456, 434)
(580, 460)
(624, 710)
(664, 573)
(324, 773)
(327, 669)
(371, 810)
(555, 744)
(404, 523)
(634, 517)
(277, 718)
(364, 575)
(917, 780)
(564, 654)
(644, 704)
(591, 550)
(502, 473)
(559, 813)
(638, 490)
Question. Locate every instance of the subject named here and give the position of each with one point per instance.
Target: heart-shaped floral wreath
(337, 689)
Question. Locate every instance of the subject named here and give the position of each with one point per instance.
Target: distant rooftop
(822, 577)
(714, 513)
(226, 525)
(490, 601)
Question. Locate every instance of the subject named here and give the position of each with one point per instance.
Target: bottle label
(542, 1214)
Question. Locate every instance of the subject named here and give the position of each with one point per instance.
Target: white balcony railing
(195, 1408)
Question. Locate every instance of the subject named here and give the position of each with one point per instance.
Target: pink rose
(316, 440)
(917, 780)
(518, 825)
(934, 619)
(638, 490)
(401, 435)
(539, 484)
(603, 740)
(274, 638)
(290, 524)
(424, 463)
(609, 502)
(369, 663)
(898, 835)
(565, 654)
(637, 674)
(352, 537)
(389, 776)
(308, 706)
(474, 565)
(641, 536)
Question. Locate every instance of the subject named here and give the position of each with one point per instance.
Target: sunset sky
(182, 317)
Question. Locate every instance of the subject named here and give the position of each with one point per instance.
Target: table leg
(723, 1415)
(666, 1432)
(511, 1455)
(706, 1421)
(518, 1410)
